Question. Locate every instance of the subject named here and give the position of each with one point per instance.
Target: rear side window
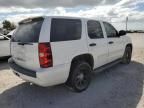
(94, 29)
(65, 29)
(28, 32)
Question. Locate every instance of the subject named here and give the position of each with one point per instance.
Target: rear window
(28, 32)
(65, 29)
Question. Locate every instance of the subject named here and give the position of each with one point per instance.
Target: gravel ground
(121, 86)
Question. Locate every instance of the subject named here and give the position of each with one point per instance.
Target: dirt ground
(121, 86)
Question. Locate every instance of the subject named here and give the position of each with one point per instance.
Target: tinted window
(65, 29)
(94, 29)
(110, 30)
(28, 32)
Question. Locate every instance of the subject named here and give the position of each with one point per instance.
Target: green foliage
(8, 25)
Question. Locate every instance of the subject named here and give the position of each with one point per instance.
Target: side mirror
(122, 33)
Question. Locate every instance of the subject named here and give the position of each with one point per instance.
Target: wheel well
(130, 45)
(84, 57)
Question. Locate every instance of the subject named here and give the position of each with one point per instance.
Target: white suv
(53, 50)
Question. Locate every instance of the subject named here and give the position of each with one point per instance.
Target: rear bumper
(21, 70)
(42, 77)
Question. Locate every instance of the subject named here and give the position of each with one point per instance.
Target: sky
(114, 11)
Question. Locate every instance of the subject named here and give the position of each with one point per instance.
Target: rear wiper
(24, 43)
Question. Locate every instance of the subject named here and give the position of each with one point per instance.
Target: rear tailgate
(24, 44)
(26, 55)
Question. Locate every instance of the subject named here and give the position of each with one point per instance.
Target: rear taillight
(45, 55)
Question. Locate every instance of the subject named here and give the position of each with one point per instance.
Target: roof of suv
(69, 17)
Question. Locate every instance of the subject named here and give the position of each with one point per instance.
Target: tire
(80, 76)
(127, 55)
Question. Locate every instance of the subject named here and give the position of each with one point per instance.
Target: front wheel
(127, 55)
(80, 76)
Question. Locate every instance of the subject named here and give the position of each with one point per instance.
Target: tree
(13, 26)
(8, 25)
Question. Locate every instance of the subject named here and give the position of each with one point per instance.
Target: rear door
(24, 43)
(115, 42)
(97, 43)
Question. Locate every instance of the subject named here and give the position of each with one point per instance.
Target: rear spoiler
(28, 20)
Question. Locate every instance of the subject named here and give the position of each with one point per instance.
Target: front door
(115, 42)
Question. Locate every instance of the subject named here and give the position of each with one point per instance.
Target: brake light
(45, 55)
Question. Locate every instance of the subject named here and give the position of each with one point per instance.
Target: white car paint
(10, 34)
(63, 53)
(4, 46)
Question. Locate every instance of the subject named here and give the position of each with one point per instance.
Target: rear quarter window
(65, 29)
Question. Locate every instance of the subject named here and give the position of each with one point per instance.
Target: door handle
(92, 44)
(111, 42)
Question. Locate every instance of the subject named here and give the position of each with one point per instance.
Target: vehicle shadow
(118, 87)
(4, 63)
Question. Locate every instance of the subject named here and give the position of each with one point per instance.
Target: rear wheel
(127, 55)
(80, 76)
